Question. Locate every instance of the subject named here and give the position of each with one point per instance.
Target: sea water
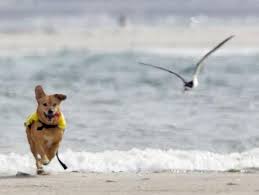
(123, 116)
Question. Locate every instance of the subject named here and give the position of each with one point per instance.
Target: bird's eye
(54, 105)
(45, 104)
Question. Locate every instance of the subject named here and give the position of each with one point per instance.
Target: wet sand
(130, 183)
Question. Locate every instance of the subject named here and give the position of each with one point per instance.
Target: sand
(132, 183)
(132, 38)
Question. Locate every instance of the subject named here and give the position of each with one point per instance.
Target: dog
(45, 128)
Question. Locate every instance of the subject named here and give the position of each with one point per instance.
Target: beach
(130, 128)
(133, 183)
(132, 37)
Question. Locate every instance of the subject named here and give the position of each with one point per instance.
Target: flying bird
(194, 82)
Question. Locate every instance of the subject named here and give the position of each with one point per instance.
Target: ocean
(123, 116)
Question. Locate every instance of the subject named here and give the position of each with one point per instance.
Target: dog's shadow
(20, 175)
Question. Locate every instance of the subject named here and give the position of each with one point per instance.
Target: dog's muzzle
(49, 115)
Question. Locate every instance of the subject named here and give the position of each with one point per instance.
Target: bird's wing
(199, 63)
(161, 68)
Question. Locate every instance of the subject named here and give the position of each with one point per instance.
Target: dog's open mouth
(49, 116)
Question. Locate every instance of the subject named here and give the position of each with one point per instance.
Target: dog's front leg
(31, 143)
(42, 155)
(39, 167)
(41, 158)
(34, 150)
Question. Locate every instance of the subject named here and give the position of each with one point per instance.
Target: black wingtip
(230, 37)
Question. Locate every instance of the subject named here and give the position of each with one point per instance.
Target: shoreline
(132, 38)
(133, 183)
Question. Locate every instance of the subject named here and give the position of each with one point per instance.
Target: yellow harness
(35, 118)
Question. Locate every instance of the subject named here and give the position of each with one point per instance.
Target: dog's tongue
(57, 114)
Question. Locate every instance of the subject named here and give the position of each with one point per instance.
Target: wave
(135, 160)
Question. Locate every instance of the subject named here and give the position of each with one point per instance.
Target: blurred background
(126, 24)
(63, 15)
(89, 50)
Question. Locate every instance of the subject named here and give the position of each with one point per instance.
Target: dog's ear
(61, 97)
(39, 92)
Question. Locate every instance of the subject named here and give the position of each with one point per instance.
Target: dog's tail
(62, 164)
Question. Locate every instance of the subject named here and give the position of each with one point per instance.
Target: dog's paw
(45, 160)
(41, 172)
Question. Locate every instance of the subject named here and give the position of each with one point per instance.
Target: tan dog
(45, 128)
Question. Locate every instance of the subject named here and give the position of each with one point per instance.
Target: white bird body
(195, 82)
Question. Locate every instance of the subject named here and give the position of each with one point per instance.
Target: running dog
(45, 128)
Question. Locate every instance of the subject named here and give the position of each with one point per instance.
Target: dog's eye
(45, 104)
(54, 105)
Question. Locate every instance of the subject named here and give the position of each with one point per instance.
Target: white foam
(135, 160)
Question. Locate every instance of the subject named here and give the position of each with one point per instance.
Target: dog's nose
(50, 112)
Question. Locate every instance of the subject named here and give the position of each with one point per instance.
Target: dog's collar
(45, 126)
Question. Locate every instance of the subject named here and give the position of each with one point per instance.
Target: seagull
(194, 82)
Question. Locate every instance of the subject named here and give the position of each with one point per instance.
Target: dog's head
(48, 105)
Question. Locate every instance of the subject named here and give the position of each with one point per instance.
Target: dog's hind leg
(51, 151)
(52, 146)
